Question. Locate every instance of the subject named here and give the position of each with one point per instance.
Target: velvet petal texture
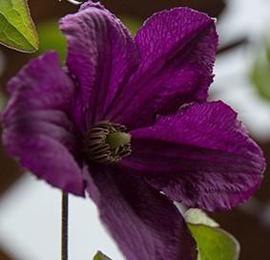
(200, 156)
(36, 127)
(145, 224)
(101, 57)
(177, 51)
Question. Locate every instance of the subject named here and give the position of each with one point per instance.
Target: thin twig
(64, 226)
(234, 44)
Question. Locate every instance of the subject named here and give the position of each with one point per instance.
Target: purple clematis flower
(127, 121)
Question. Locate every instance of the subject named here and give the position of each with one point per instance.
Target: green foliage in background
(132, 24)
(260, 72)
(101, 256)
(51, 38)
(17, 30)
(213, 243)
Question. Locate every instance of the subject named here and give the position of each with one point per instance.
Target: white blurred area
(30, 224)
(30, 212)
(252, 19)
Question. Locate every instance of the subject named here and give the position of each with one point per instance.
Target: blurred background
(30, 209)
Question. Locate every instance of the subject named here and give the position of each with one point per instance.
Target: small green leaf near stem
(100, 256)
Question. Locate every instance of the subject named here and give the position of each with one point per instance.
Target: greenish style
(101, 256)
(17, 30)
(260, 73)
(212, 242)
(118, 139)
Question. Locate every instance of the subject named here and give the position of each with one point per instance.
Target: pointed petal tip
(207, 157)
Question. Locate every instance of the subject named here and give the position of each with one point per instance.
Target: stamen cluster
(107, 142)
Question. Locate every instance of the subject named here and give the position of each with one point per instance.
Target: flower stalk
(64, 227)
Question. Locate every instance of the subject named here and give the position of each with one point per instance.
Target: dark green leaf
(17, 30)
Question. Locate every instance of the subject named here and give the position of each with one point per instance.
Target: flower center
(107, 142)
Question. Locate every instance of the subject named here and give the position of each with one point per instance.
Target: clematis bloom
(127, 121)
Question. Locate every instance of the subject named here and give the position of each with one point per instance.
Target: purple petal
(36, 128)
(144, 223)
(200, 156)
(101, 56)
(177, 50)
